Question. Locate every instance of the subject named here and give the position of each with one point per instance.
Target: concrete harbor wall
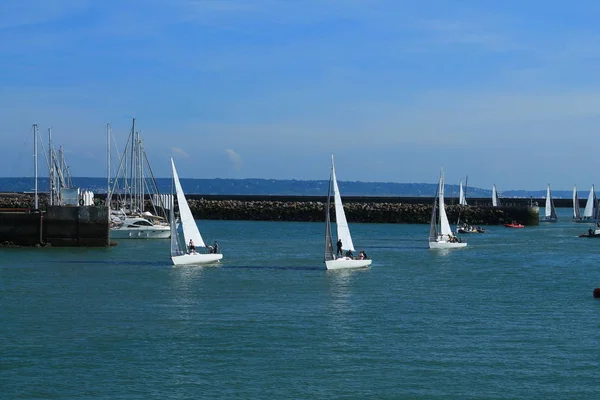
(20, 225)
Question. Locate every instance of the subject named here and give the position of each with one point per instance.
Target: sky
(505, 92)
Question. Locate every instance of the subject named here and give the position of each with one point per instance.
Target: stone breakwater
(356, 212)
(372, 212)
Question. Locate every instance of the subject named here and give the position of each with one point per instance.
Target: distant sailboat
(550, 210)
(440, 232)
(343, 231)
(590, 211)
(576, 210)
(462, 198)
(495, 197)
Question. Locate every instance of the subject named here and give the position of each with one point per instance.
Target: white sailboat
(550, 210)
(332, 261)
(495, 197)
(462, 199)
(576, 210)
(591, 206)
(181, 254)
(440, 232)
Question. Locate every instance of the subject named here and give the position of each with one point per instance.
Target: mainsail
(462, 200)
(495, 198)
(590, 205)
(190, 229)
(328, 241)
(176, 249)
(343, 231)
(549, 211)
(433, 223)
(445, 229)
(576, 211)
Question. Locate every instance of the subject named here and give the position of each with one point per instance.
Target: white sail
(190, 229)
(590, 204)
(462, 200)
(548, 209)
(445, 229)
(343, 231)
(576, 211)
(494, 197)
(442, 238)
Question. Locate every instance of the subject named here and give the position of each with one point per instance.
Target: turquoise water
(511, 316)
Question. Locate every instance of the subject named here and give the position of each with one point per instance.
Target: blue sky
(505, 92)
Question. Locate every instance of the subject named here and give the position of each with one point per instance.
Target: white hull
(155, 232)
(446, 245)
(196, 259)
(343, 263)
(586, 220)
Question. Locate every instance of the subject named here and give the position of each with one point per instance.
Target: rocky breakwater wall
(379, 212)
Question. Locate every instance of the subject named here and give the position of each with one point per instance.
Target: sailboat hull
(585, 220)
(156, 232)
(196, 259)
(548, 219)
(446, 245)
(344, 263)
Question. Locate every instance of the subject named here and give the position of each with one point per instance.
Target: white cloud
(235, 159)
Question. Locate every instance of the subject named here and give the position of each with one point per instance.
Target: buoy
(597, 293)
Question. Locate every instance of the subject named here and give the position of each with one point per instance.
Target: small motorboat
(514, 225)
(591, 233)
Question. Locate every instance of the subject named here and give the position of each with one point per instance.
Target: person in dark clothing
(339, 248)
(191, 246)
(349, 254)
(215, 247)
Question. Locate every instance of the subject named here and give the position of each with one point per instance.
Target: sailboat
(462, 197)
(180, 254)
(440, 232)
(550, 210)
(591, 208)
(495, 197)
(576, 211)
(343, 231)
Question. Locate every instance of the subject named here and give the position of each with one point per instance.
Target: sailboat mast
(51, 176)
(35, 167)
(108, 164)
(131, 172)
(328, 240)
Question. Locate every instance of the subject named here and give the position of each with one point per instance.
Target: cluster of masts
(59, 176)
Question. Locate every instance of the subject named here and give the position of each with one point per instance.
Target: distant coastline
(288, 187)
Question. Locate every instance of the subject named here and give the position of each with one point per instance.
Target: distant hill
(285, 187)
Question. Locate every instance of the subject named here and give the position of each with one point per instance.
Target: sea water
(510, 316)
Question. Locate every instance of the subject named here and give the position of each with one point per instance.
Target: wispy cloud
(177, 150)
(235, 158)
